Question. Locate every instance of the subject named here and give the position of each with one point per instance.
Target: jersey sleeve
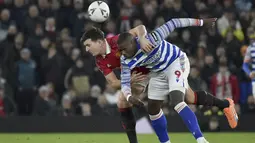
(125, 78)
(162, 32)
(247, 56)
(103, 67)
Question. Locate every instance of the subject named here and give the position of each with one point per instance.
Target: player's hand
(137, 77)
(146, 45)
(252, 75)
(209, 22)
(135, 101)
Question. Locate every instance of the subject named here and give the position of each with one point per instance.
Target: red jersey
(111, 60)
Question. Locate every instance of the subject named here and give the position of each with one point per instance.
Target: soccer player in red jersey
(108, 58)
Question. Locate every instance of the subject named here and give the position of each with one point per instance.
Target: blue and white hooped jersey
(250, 55)
(163, 54)
(157, 60)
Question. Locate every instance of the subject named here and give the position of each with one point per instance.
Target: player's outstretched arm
(138, 31)
(125, 79)
(164, 31)
(246, 62)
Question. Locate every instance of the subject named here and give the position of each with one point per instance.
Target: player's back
(158, 59)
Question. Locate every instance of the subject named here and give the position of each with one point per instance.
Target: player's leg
(126, 113)
(157, 92)
(177, 74)
(187, 115)
(127, 118)
(207, 99)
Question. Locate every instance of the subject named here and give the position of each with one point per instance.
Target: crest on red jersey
(117, 54)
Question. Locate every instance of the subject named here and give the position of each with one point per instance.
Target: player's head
(127, 45)
(94, 42)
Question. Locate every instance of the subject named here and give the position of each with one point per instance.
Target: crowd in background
(44, 70)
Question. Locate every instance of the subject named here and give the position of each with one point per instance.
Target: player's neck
(103, 51)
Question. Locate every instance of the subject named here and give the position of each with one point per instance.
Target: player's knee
(154, 106)
(190, 97)
(176, 97)
(122, 102)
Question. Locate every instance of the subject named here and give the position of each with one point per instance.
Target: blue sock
(159, 123)
(189, 119)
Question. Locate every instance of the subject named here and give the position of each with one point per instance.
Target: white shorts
(143, 84)
(175, 77)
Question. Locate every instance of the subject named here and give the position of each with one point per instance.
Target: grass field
(121, 138)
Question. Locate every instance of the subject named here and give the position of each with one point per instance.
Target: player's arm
(108, 74)
(246, 61)
(113, 80)
(125, 79)
(162, 32)
(138, 31)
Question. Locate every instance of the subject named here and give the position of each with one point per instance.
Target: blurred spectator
(76, 53)
(224, 84)
(200, 54)
(50, 28)
(67, 109)
(26, 83)
(52, 94)
(8, 57)
(195, 82)
(44, 8)
(214, 8)
(77, 17)
(5, 23)
(243, 5)
(18, 13)
(32, 21)
(233, 50)
(7, 105)
(111, 95)
(188, 45)
(51, 69)
(250, 106)
(214, 124)
(209, 69)
(79, 77)
(110, 29)
(44, 106)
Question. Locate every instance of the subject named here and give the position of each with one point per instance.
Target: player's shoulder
(112, 40)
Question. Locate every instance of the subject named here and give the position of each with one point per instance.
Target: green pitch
(121, 138)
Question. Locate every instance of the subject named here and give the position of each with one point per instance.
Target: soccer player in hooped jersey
(169, 68)
(108, 58)
(249, 61)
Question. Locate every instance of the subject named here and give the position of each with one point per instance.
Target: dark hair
(93, 34)
(124, 37)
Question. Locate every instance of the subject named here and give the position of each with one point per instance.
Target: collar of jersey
(107, 49)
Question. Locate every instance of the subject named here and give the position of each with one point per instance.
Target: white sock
(167, 142)
(201, 140)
